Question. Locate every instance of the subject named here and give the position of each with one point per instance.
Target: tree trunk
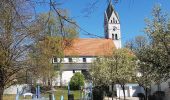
(146, 96)
(2, 86)
(1, 93)
(123, 87)
(146, 93)
(49, 85)
(112, 91)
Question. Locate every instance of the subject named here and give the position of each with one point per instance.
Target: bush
(159, 93)
(98, 93)
(140, 95)
(151, 97)
(76, 81)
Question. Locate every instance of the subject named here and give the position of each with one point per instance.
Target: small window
(113, 36)
(111, 21)
(73, 71)
(84, 59)
(116, 37)
(70, 59)
(55, 60)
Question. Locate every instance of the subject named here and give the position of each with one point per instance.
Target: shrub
(98, 93)
(140, 95)
(76, 81)
(159, 93)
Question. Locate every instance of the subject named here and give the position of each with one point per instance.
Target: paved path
(127, 98)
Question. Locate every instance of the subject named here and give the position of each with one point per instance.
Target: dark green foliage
(158, 95)
(98, 93)
(77, 81)
(141, 95)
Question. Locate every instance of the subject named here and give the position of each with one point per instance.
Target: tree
(99, 72)
(144, 74)
(137, 43)
(77, 80)
(17, 34)
(51, 45)
(125, 63)
(158, 32)
(102, 74)
(145, 77)
(14, 41)
(153, 54)
(41, 58)
(118, 68)
(157, 54)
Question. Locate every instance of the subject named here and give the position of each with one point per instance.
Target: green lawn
(58, 94)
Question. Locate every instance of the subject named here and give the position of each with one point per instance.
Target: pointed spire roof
(110, 10)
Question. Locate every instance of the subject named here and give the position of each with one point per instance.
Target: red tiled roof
(90, 47)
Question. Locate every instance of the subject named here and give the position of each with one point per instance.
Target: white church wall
(65, 60)
(117, 44)
(115, 17)
(116, 31)
(131, 90)
(66, 76)
(90, 60)
(76, 60)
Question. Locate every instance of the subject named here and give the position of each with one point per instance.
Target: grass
(58, 94)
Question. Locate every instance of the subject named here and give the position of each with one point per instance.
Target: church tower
(112, 25)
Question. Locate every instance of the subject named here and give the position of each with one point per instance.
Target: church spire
(110, 9)
(112, 25)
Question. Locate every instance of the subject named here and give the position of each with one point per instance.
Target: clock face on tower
(114, 28)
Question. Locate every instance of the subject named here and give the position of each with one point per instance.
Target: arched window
(116, 37)
(113, 36)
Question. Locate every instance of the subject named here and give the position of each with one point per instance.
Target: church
(84, 51)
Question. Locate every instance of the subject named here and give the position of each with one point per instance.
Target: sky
(131, 13)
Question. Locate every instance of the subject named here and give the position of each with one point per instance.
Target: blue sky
(131, 12)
